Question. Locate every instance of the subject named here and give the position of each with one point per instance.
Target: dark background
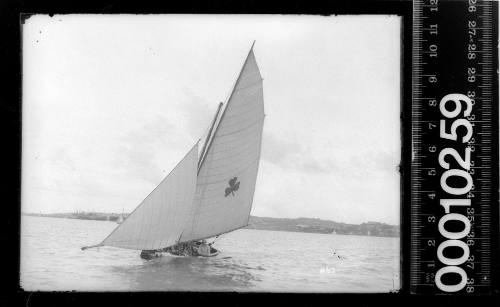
(12, 294)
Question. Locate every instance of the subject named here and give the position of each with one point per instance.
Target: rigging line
(213, 235)
(228, 101)
(91, 246)
(203, 152)
(179, 239)
(220, 120)
(248, 86)
(215, 240)
(253, 111)
(247, 103)
(232, 156)
(238, 78)
(195, 219)
(257, 171)
(237, 156)
(254, 187)
(244, 128)
(243, 138)
(140, 205)
(238, 172)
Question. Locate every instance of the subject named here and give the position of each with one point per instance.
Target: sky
(111, 103)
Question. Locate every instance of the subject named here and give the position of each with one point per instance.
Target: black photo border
(10, 47)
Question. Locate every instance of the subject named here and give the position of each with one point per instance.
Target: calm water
(250, 260)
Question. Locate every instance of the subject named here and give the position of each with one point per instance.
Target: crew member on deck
(204, 249)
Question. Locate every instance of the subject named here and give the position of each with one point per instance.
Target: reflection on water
(249, 260)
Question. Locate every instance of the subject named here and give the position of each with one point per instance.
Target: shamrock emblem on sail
(233, 186)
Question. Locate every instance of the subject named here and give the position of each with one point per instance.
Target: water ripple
(250, 260)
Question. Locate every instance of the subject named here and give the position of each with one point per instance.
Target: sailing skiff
(210, 192)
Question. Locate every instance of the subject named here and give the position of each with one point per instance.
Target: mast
(227, 105)
(208, 135)
(159, 217)
(231, 154)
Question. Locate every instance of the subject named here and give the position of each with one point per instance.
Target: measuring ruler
(454, 166)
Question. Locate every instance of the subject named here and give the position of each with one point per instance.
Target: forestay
(160, 219)
(227, 175)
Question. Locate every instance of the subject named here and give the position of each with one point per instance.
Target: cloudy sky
(112, 103)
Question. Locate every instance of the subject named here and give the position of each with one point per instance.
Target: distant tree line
(97, 216)
(302, 224)
(324, 226)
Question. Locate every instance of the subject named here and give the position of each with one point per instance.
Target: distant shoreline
(307, 225)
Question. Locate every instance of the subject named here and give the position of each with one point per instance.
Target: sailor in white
(204, 249)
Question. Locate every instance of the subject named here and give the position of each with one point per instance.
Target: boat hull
(212, 254)
(149, 255)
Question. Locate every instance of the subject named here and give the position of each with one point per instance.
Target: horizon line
(290, 218)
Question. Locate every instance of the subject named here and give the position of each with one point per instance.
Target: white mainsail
(207, 197)
(161, 217)
(227, 174)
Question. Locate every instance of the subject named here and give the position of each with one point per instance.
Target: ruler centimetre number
(454, 166)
